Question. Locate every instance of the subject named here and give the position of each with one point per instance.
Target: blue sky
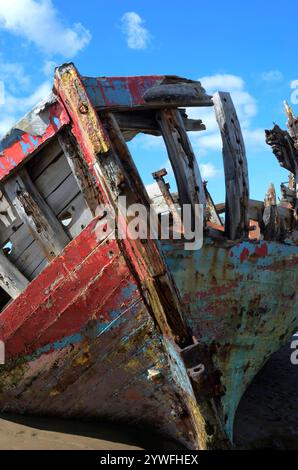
(247, 49)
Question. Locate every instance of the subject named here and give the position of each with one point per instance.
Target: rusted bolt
(83, 108)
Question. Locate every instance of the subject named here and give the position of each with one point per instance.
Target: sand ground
(27, 433)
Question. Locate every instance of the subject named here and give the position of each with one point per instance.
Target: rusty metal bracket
(201, 371)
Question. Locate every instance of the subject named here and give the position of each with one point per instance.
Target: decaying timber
(139, 330)
(235, 164)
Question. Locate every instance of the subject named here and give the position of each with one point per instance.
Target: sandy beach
(27, 433)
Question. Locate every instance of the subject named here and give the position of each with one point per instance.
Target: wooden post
(165, 191)
(35, 212)
(212, 213)
(80, 171)
(271, 227)
(11, 279)
(235, 167)
(184, 163)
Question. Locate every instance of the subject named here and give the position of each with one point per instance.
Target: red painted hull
(80, 342)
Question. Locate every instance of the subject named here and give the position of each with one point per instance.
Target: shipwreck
(142, 331)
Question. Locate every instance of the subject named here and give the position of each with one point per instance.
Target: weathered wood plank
(272, 227)
(43, 159)
(133, 93)
(131, 123)
(181, 93)
(80, 171)
(184, 163)
(30, 259)
(6, 232)
(213, 215)
(25, 253)
(39, 268)
(9, 220)
(79, 213)
(53, 176)
(235, 167)
(11, 279)
(59, 199)
(168, 198)
(255, 209)
(34, 212)
(20, 240)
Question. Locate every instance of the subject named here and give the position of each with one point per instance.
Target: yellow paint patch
(82, 360)
(72, 86)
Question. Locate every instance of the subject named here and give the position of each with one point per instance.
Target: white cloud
(246, 108)
(16, 99)
(49, 68)
(14, 75)
(244, 102)
(208, 144)
(15, 107)
(222, 82)
(272, 76)
(38, 22)
(255, 138)
(148, 142)
(137, 36)
(6, 124)
(208, 171)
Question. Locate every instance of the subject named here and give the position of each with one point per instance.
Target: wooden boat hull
(82, 343)
(133, 329)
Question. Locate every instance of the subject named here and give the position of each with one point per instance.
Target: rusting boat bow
(140, 330)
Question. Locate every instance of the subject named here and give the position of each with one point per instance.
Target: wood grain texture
(12, 280)
(80, 171)
(235, 167)
(182, 158)
(36, 214)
